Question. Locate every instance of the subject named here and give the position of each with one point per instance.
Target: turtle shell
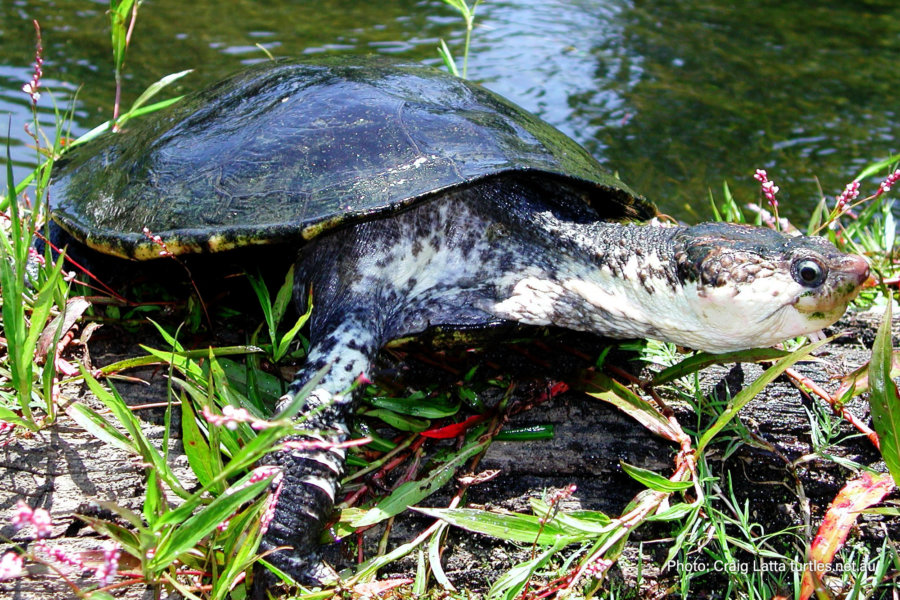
(288, 150)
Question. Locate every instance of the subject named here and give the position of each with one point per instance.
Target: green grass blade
(513, 527)
(100, 428)
(750, 392)
(154, 88)
(702, 360)
(654, 481)
(203, 523)
(412, 492)
(195, 446)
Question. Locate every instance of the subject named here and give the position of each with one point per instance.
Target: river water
(676, 96)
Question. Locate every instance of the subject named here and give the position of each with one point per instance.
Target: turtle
(420, 202)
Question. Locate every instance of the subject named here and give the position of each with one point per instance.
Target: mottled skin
(505, 250)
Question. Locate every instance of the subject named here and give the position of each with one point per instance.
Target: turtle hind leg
(314, 464)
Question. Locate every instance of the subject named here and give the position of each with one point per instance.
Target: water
(676, 96)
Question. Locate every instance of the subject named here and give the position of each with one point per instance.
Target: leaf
(195, 446)
(525, 434)
(702, 360)
(509, 586)
(631, 404)
(100, 428)
(154, 88)
(748, 393)
(204, 522)
(513, 527)
(858, 380)
(883, 398)
(434, 558)
(10, 417)
(857, 495)
(654, 481)
(454, 429)
(447, 57)
(399, 422)
(418, 405)
(412, 492)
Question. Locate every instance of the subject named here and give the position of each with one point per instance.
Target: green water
(677, 96)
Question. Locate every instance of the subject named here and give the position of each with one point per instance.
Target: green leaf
(631, 404)
(751, 391)
(525, 434)
(434, 558)
(132, 425)
(883, 398)
(447, 57)
(412, 492)
(284, 296)
(701, 360)
(154, 88)
(400, 422)
(674, 512)
(204, 522)
(513, 527)
(100, 428)
(510, 585)
(418, 405)
(195, 446)
(11, 417)
(875, 168)
(654, 481)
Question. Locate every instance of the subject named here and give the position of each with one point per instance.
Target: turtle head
(754, 287)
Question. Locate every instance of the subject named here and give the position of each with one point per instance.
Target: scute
(285, 151)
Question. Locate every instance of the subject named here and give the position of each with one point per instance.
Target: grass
(205, 544)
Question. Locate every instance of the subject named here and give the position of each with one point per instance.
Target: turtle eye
(809, 272)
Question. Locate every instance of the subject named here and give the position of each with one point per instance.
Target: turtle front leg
(311, 476)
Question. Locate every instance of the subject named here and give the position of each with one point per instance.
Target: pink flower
(268, 512)
(231, 416)
(31, 88)
(38, 517)
(848, 195)
(34, 255)
(110, 567)
(769, 189)
(886, 185)
(11, 566)
(60, 555)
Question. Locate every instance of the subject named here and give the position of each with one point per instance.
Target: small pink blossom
(31, 88)
(562, 493)
(599, 566)
(38, 517)
(231, 416)
(886, 185)
(11, 566)
(848, 195)
(257, 475)
(164, 250)
(60, 555)
(769, 189)
(110, 567)
(268, 512)
(35, 256)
